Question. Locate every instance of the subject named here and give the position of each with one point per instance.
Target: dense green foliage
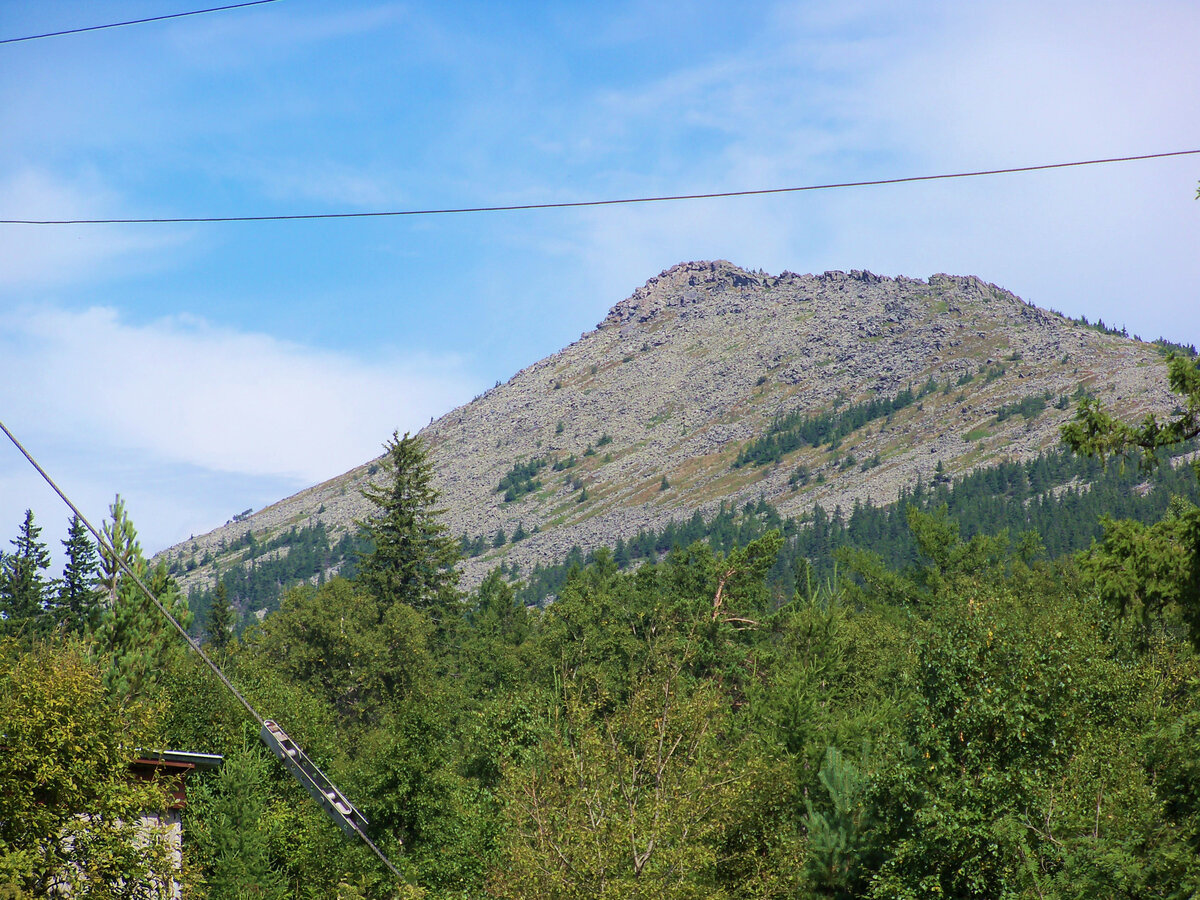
(958, 713)
(1059, 496)
(67, 806)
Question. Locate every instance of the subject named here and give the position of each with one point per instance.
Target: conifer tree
(120, 546)
(233, 835)
(414, 557)
(134, 640)
(77, 604)
(23, 589)
(220, 618)
(1155, 568)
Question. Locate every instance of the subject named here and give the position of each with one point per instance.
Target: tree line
(979, 720)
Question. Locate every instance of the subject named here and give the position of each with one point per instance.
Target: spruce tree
(23, 589)
(77, 604)
(220, 618)
(414, 557)
(233, 830)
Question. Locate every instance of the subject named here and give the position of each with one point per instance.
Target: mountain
(711, 383)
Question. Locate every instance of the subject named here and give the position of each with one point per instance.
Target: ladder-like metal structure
(344, 814)
(303, 769)
(313, 780)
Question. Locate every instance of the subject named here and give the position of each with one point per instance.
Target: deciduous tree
(69, 812)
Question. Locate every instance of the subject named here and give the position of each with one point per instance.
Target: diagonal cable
(109, 549)
(194, 12)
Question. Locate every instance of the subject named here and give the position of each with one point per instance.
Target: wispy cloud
(335, 185)
(58, 255)
(843, 92)
(185, 392)
(223, 41)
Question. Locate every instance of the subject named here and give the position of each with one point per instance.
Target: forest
(972, 716)
(1059, 495)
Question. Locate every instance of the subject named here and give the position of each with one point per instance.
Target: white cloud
(191, 423)
(180, 391)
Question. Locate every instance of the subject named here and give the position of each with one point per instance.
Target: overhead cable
(106, 547)
(306, 772)
(577, 204)
(194, 12)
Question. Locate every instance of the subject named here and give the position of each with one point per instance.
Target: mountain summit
(714, 384)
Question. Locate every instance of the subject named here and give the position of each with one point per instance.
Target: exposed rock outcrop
(680, 375)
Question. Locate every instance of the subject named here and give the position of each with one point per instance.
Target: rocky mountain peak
(643, 420)
(681, 285)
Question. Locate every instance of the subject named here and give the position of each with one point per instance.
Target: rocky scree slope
(679, 377)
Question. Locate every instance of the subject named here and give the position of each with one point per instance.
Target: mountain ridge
(644, 416)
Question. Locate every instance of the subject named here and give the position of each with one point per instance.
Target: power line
(577, 204)
(194, 12)
(108, 548)
(351, 823)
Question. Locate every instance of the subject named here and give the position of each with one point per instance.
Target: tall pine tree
(134, 639)
(120, 548)
(23, 589)
(414, 557)
(220, 618)
(77, 606)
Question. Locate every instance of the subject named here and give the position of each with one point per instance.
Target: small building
(171, 768)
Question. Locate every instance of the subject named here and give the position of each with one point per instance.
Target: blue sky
(203, 369)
